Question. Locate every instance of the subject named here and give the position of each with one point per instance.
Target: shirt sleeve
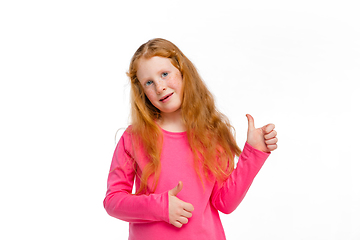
(227, 196)
(120, 202)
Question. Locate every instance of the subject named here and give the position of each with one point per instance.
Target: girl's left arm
(227, 196)
(260, 142)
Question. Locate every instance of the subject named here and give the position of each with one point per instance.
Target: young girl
(180, 150)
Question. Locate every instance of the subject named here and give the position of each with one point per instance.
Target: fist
(264, 138)
(179, 211)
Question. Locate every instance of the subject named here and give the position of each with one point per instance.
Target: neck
(172, 122)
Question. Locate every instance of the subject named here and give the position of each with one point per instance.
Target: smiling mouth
(166, 97)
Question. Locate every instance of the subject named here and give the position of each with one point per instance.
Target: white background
(64, 94)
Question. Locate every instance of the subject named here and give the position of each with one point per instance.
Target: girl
(180, 150)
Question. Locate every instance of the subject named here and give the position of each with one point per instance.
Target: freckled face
(162, 83)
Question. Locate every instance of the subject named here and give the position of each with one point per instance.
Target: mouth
(166, 97)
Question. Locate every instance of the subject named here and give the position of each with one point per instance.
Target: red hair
(210, 135)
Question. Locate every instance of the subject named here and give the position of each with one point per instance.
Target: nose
(160, 87)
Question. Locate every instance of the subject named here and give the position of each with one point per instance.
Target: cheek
(175, 83)
(150, 95)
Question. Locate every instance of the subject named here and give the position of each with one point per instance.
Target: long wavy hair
(210, 135)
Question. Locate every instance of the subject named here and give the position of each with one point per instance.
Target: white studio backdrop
(64, 94)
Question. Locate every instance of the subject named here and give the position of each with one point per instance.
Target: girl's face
(161, 82)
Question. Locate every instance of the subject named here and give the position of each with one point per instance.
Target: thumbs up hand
(263, 139)
(179, 211)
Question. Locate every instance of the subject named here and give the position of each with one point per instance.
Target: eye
(148, 83)
(165, 74)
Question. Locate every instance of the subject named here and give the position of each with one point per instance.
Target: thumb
(251, 124)
(176, 190)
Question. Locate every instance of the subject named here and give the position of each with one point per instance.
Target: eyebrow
(159, 72)
(144, 82)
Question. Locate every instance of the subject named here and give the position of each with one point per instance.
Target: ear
(137, 88)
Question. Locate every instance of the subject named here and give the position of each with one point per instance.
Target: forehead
(146, 68)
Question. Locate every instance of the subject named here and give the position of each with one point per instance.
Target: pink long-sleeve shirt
(148, 214)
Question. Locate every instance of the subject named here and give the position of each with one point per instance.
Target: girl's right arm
(120, 203)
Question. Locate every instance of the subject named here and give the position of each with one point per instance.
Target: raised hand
(179, 211)
(263, 139)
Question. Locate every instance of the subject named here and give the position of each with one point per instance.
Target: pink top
(148, 215)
